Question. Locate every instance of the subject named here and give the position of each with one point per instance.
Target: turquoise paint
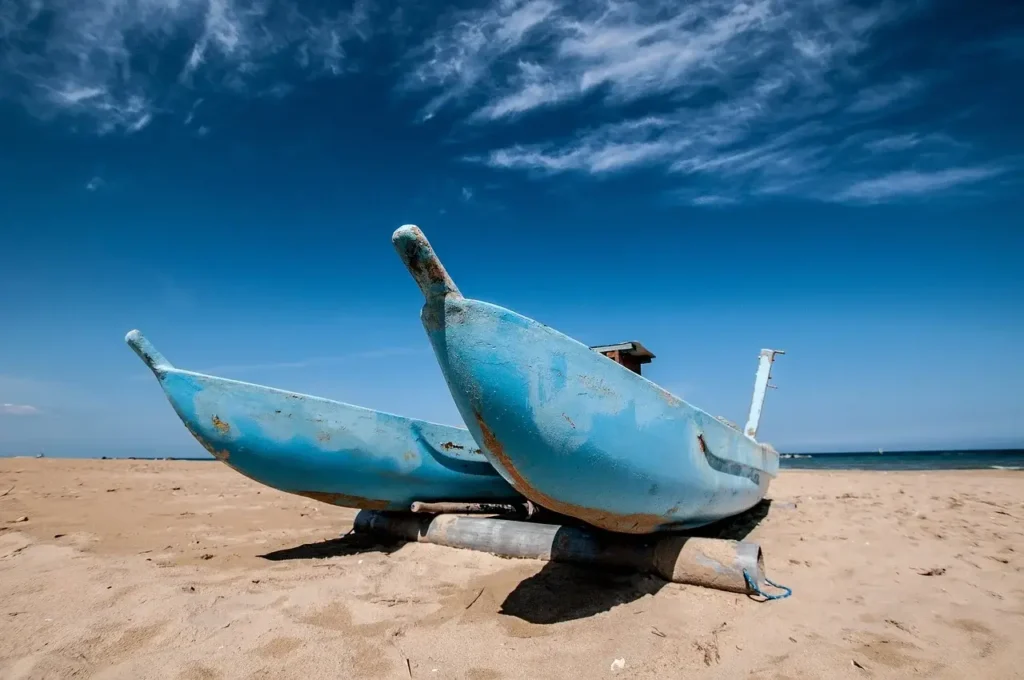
(575, 430)
(303, 444)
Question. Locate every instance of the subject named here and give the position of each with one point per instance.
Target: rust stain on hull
(638, 523)
(669, 398)
(220, 425)
(220, 454)
(344, 500)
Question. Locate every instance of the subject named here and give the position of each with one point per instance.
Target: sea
(976, 459)
(989, 459)
(979, 459)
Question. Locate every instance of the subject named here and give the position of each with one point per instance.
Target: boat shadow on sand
(343, 546)
(559, 591)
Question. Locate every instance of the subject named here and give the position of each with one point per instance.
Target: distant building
(632, 355)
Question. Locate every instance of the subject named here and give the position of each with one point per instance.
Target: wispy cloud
(229, 370)
(626, 50)
(597, 150)
(18, 410)
(913, 183)
(881, 142)
(1010, 45)
(94, 184)
(879, 97)
(893, 143)
(310, 362)
(97, 59)
(460, 57)
(734, 99)
(711, 200)
(757, 98)
(32, 396)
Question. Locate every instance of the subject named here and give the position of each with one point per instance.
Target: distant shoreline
(784, 455)
(960, 459)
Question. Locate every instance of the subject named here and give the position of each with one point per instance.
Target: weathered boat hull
(575, 432)
(330, 451)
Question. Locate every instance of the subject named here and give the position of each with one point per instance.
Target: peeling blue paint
(576, 432)
(335, 452)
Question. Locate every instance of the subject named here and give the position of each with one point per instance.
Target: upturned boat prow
(422, 262)
(147, 352)
(573, 431)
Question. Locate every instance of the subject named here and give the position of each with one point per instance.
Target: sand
(134, 569)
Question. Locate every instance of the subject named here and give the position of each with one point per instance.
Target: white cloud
(599, 150)
(536, 87)
(1010, 45)
(460, 57)
(881, 97)
(94, 184)
(757, 97)
(910, 183)
(633, 50)
(893, 143)
(96, 59)
(711, 200)
(746, 84)
(365, 355)
(18, 410)
(743, 97)
(467, 194)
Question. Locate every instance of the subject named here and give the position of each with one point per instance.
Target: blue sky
(839, 180)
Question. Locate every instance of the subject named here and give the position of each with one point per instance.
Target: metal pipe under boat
(524, 509)
(708, 562)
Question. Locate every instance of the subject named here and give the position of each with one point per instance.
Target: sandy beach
(136, 569)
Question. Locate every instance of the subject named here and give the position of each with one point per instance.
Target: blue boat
(577, 433)
(326, 450)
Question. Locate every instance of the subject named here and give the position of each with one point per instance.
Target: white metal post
(764, 374)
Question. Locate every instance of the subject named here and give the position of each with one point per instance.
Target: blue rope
(757, 591)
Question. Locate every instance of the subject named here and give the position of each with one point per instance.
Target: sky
(839, 180)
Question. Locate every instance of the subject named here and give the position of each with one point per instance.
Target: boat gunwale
(161, 370)
(674, 401)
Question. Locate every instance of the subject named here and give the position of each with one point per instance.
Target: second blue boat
(326, 450)
(575, 432)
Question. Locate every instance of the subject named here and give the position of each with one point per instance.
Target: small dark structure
(632, 355)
